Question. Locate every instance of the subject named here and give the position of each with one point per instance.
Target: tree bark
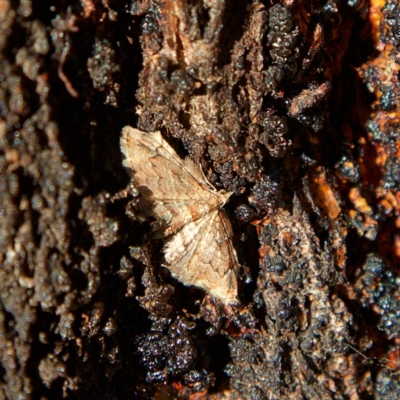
(293, 107)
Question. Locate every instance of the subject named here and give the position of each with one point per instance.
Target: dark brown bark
(293, 106)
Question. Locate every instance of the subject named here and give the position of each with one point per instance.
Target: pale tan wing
(202, 254)
(174, 190)
(195, 171)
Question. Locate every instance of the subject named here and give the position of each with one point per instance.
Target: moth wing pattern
(194, 171)
(201, 254)
(165, 181)
(199, 249)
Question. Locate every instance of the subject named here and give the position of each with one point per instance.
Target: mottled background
(292, 106)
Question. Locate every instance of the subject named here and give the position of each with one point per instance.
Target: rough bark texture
(293, 106)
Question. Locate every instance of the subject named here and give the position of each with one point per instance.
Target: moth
(198, 246)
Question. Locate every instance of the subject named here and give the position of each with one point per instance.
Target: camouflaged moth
(198, 247)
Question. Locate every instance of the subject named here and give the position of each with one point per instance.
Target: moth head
(224, 196)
